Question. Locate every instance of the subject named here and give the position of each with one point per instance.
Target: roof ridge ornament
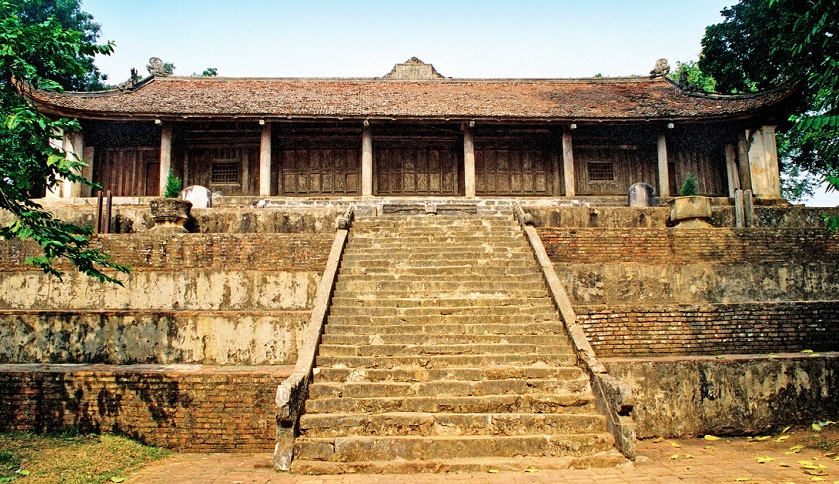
(661, 69)
(155, 67)
(413, 69)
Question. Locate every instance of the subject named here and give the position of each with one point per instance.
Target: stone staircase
(443, 352)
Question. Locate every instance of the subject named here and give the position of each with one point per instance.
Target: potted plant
(690, 210)
(170, 213)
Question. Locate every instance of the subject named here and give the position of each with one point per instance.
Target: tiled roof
(519, 99)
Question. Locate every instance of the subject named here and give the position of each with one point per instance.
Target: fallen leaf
(492, 471)
(806, 351)
(23, 472)
(783, 464)
(816, 427)
(711, 437)
(817, 478)
(675, 444)
(687, 468)
(117, 479)
(813, 354)
(830, 454)
(782, 438)
(531, 469)
(762, 438)
(796, 448)
(743, 479)
(674, 456)
(658, 439)
(764, 460)
(786, 429)
(688, 456)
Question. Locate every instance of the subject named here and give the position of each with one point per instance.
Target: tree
(764, 43)
(210, 72)
(68, 14)
(36, 56)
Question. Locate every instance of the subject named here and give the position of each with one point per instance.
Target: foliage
(37, 56)
(210, 72)
(689, 187)
(832, 222)
(173, 186)
(169, 68)
(68, 14)
(691, 78)
(71, 458)
(762, 44)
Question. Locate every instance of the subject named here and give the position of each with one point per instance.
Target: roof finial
(156, 68)
(661, 69)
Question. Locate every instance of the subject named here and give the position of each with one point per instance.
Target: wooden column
(71, 145)
(366, 160)
(568, 163)
(265, 161)
(468, 160)
(743, 159)
(731, 169)
(165, 156)
(763, 164)
(663, 167)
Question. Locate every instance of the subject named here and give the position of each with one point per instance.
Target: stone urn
(170, 214)
(693, 211)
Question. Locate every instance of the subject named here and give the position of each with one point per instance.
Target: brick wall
(680, 246)
(192, 409)
(143, 251)
(711, 329)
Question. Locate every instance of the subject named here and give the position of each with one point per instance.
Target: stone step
(442, 339)
(473, 294)
(450, 253)
(476, 300)
(530, 276)
(329, 350)
(548, 326)
(483, 373)
(443, 261)
(442, 361)
(360, 285)
(464, 270)
(441, 388)
(542, 307)
(409, 244)
(558, 402)
(355, 448)
(434, 238)
(436, 424)
(607, 458)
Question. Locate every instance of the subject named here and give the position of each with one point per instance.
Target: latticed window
(225, 173)
(601, 172)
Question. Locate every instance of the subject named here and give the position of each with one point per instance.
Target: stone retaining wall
(182, 407)
(734, 395)
(683, 246)
(129, 337)
(710, 329)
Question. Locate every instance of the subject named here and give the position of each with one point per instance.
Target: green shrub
(689, 187)
(173, 186)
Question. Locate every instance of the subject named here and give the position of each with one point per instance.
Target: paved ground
(667, 461)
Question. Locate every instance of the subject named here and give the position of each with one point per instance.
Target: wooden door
(512, 171)
(417, 167)
(127, 172)
(329, 170)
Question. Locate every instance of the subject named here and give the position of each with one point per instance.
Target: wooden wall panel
(200, 163)
(306, 170)
(133, 171)
(417, 169)
(511, 171)
(701, 153)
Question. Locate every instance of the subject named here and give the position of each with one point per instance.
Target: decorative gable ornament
(155, 67)
(413, 69)
(661, 69)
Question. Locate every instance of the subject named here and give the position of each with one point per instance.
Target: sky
(365, 38)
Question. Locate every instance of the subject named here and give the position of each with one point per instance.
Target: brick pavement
(726, 460)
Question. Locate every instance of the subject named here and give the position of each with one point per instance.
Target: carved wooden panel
(231, 170)
(319, 170)
(511, 171)
(127, 172)
(417, 168)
